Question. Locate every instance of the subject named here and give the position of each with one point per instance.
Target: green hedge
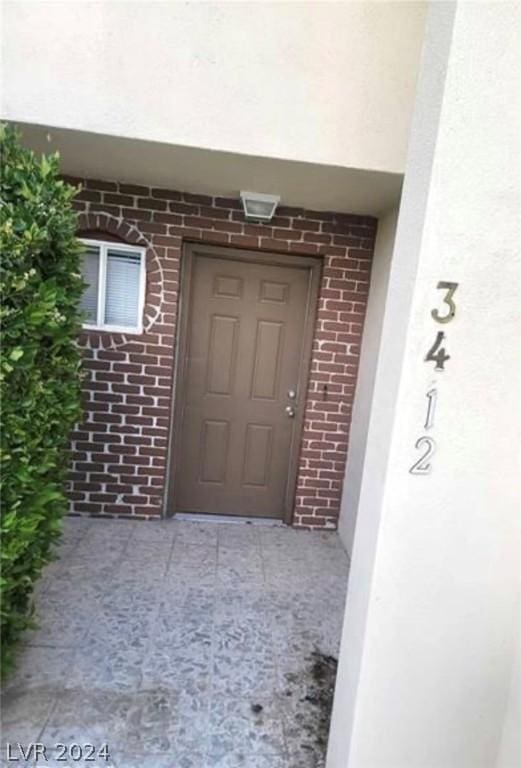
(40, 289)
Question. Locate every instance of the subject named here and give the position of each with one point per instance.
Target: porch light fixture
(259, 207)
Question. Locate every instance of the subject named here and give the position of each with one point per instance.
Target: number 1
(432, 396)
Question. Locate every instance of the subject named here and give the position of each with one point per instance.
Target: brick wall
(120, 451)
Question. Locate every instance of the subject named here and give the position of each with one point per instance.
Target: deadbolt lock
(292, 394)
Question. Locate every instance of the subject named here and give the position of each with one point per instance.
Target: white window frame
(103, 247)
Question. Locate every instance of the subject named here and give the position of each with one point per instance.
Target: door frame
(189, 252)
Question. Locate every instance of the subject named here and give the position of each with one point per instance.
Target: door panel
(214, 451)
(266, 365)
(222, 354)
(257, 455)
(245, 337)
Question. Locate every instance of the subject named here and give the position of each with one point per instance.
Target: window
(113, 299)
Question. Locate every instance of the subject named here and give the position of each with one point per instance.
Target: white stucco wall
(329, 83)
(432, 619)
(509, 753)
(366, 375)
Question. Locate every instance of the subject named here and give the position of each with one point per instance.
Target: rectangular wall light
(258, 206)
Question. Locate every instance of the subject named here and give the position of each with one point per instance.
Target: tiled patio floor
(164, 639)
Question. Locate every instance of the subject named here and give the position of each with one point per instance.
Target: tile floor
(159, 638)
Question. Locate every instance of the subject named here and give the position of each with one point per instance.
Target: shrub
(39, 369)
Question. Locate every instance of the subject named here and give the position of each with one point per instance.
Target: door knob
(290, 411)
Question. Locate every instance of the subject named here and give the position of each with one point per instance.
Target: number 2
(423, 466)
(444, 285)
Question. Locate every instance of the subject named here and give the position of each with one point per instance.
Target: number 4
(437, 353)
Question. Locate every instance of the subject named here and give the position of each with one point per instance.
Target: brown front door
(242, 381)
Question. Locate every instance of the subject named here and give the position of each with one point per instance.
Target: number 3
(451, 290)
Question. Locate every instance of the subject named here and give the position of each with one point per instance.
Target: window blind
(122, 288)
(89, 300)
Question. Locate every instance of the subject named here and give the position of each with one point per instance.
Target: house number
(423, 466)
(443, 285)
(432, 396)
(438, 355)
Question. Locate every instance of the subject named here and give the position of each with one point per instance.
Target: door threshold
(194, 517)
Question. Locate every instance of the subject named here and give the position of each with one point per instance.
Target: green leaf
(46, 167)
(40, 378)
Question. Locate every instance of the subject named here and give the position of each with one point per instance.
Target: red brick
(286, 210)
(104, 497)
(114, 199)
(287, 234)
(168, 218)
(153, 228)
(89, 196)
(132, 189)
(312, 237)
(198, 199)
(228, 202)
(137, 213)
(86, 507)
(126, 409)
(214, 213)
(109, 186)
(149, 203)
(346, 240)
(258, 230)
(165, 194)
(305, 248)
(199, 221)
(228, 226)
(306, 225)
(151, 471)
(216, 237)
(118, 509)
(107, 418)
(273, 245)
(183, 208)
(134, 460)
(245, 241)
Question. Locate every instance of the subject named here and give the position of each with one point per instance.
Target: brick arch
(101, 224)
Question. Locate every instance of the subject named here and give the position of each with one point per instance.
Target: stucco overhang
(309, 185)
